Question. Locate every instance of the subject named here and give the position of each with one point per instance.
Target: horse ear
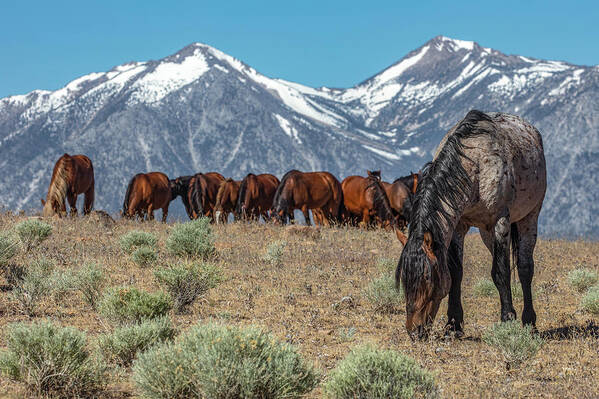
(401, 237)
(428, 241)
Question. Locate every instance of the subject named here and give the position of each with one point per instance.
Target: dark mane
(444, 182)
(278, 201)
(380, 200)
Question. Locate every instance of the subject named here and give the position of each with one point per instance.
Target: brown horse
(365, 198)
(400, 200)
(201, 194)
(488, 172)
(147, 192)
(226, 199)
(180, 187)
(411, 181)
(319, 191)
(256, 194)
(72, 175)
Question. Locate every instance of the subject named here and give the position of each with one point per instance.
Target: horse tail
(197, 196)
(381, 202)
(342, 212)
(128, 194)
(220, 193)
(60, 182)
(515, 237)
(241, 195)
(278, 202)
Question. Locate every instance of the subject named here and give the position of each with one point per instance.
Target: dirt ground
(316, 295)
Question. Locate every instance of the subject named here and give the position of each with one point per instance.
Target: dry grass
(316, 291)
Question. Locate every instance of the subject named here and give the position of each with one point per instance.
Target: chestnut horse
(319, 191)
(365, 199)
(147, 192)
(226, 199)
(201, 194)
(72, 175)
(400, 200)
(256, 194)
(488, 172)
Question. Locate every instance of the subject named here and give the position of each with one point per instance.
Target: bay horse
(201, 194)
(226, 199)
(180, 187)
(488, 172)
(319, 191)
(72, 175)
(256, 194)
(147, 192)
(400, 200)
(364, 198)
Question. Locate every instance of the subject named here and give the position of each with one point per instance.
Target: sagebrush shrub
(51, 361)
(89, 281)
(516, 343)
(384, 295)
(136, 239)
(369, 372)
(590, 301)
(218, 361)
(32, 232)
(485, 287)
(33, 283)
(144, 256)
(124, 343)
(386, 265)
(192, 239)
(127, 305)
(8, 249)
(582, 279)
(186, 282)
(274, 252)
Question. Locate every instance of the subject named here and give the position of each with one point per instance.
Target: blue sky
(46, 44)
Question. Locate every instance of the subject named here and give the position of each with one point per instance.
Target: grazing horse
(365, 198)
(201, 194)
(72, 175)
(180, 187)
(256, 194)
(411, 181)
(226, 199)
(319, 191)
(147, 192)
(488, 172)
(400, 200)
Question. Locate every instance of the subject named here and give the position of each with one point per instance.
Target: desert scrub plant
(590, 301)
(370, 372)
(186, 282)
(274, 252)
(516, 343)
(582, 279)
(89, 281)
(219, 361)
(144, 256)
(32, 283)
(124, 343)
(136, 239)
(383, 294)
(32, 232)
(8, 249)
(386, 265)
(128, 305)
(485, 288)
(192, 239)
(51, 361)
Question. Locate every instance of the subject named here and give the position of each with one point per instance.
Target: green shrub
(517, 290)
(122, 345)
(137, 239)
(516, 343)
(144, 256)
(485, 287)
(386, 265)
(51, 360)
(32, 232)
(89, 280)
(369, 372)
(192, 239)
(186, 282)
(383, 294)
(8, 249)
(590, 302)
(582, 279)
(217, 361)
(32, 284)
(274, 252)
(126, 305)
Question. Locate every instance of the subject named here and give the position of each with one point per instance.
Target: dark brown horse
(365, 199)
(147, 192)
(72, 175)
(400, 200)
(488, 172)
(411, 181)
(201, 194)
(256, 194)
(180, 187)
(319, 191)
(226, 199)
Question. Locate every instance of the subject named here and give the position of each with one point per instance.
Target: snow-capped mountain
(203, 110)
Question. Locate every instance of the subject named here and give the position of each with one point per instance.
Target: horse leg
(88, 204)
(72, 199)
(501, 266)
(365, 218)
(164, 213)
(150, 212)
(523, 245)
(306, 213)
(455, 256)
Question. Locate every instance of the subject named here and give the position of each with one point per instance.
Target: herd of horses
(488, 172)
